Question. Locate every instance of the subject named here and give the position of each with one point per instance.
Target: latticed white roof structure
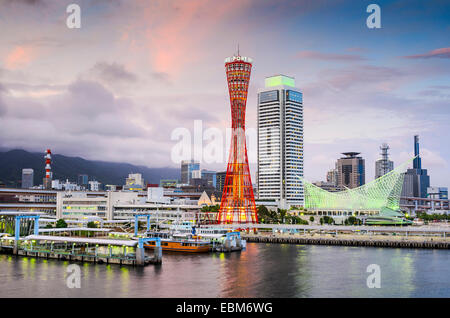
(382, 192)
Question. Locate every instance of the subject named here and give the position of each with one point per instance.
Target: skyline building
(27, 178)
(280, 142)
(134, 182)
(440, 193)
(210, 176)
(238, 202)
(83, 180)
(220, 181)
(383, 165)
(351, 170)
(187, 166)
(416, 180)
(332, 177)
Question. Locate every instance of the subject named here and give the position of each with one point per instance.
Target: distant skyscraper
(437, 193)
(187, 166)
(383, 165)
(280, 141)
(83, 180)
(332, 177)
(351, 170)
(416, 179)
(134, 182)
(94, 185)
(27, 178)
(220, 180)
(210, 176)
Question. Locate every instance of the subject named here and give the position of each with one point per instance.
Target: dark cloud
(161, 76)
(83, 107)
(25, 2)
(2, 106)
(113, 73)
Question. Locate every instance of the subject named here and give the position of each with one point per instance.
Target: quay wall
(79, 258)
(436, 244)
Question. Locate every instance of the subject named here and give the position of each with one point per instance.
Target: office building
(27, 178)
(83, 180)
(134, 182)
(332, 177)
(351, 170)
(416, 181)
(440, 193)
(220, 181)
(168, 183)
(187, 166)
(94, 185)
(280, 142)
(383, 165)
(210, 176)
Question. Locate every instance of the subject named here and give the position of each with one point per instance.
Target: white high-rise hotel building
(280, 142)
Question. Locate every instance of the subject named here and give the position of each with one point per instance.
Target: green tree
(264, 215)
(281, 215)
(352, 220)
(92, 225)
(311, 219)
(211, 208)
(61, 223)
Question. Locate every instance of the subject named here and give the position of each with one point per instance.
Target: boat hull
(178, 247)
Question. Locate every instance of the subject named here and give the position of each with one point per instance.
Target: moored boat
(169, 243)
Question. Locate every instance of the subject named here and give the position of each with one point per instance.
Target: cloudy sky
(117, 88)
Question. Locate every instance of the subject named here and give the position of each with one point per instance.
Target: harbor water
(262, 270)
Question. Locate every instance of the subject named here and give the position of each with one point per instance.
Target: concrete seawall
(368, 242)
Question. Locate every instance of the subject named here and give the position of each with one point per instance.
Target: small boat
(169, 243)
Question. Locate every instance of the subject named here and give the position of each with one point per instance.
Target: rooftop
(351, 154)
(83, 240)
(279, 80)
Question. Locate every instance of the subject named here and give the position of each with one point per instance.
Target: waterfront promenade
(371, 239)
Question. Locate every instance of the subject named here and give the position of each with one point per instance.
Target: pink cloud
(20, 56)
(443, 53)
(175, 32)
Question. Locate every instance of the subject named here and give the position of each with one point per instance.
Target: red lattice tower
(238, 202)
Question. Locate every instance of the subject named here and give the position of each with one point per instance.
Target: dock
(363, 240)
(81, 249)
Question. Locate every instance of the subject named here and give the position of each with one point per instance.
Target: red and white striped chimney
(48, 161)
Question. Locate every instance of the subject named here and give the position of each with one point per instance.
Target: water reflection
(263, 270)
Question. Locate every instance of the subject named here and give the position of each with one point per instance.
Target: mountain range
(64, 167)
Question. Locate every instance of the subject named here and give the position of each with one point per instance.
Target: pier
(232, 242)
(101, 251)
(20, 235)
(363, 240)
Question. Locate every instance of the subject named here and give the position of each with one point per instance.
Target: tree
(281, 215)
(61, 223)
(353, 220)
(211, 208)
(311, 219)
(327, 220)
(263, 214)
(92, 225)
(49, 226)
